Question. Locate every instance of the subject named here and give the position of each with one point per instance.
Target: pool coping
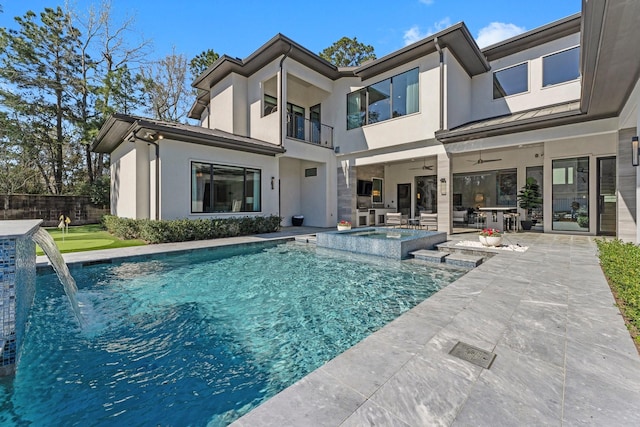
(564, 355)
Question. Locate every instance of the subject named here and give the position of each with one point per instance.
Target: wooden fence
(79, 209)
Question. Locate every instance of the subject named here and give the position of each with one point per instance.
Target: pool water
(200, 338)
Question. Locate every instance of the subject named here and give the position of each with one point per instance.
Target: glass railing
(309, 131)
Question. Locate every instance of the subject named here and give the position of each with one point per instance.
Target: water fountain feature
(18, 282)
(48, 246)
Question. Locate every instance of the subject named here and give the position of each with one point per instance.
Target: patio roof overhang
(119, 127)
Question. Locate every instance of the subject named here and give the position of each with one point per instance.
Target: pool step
(429, 256)
(466, 261)
(456, 259)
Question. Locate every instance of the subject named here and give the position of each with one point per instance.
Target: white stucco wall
(314, 197)
(483, 104)
(265, 128)
(175, 178)
(123, 181)
(457, 93)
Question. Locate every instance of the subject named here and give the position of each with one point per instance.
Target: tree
(202, 61)
(166, 89)
(39, 71)
(348, 52)
(108, 83)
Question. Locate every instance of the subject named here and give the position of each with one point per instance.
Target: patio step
(429, 256)
(466, 261)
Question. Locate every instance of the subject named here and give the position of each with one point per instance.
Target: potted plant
(490, 237)
(528, 199)
(344, 225)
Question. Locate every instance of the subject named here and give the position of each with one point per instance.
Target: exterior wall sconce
(634, 151)
(443, 186)
(273, 183)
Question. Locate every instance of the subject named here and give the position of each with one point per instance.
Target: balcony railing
(309, 131)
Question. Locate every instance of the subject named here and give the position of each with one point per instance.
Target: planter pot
(297, 220)
(343, 227)
(490, 240)
(526, 224)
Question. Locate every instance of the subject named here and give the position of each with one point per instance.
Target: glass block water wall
(17, 287)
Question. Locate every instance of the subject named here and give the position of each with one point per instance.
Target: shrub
(621, 264)
(181, 230)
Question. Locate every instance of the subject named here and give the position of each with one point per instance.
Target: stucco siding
(176, 158)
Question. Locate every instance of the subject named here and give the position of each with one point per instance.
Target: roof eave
(450, 136)
(473, 61)
(537, 36)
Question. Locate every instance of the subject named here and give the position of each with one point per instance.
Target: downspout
(282, 110)
(441, 54)
(448, 226)
(157, 196)
(282, 104)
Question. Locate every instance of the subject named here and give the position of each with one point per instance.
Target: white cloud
(414, 34)
(496, 32)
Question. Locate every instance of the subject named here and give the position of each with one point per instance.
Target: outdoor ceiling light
(634, 151)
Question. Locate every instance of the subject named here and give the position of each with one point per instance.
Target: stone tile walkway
(564, 356)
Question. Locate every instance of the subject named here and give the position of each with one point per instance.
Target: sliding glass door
(570, 194)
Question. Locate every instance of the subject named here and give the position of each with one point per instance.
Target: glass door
(404, 199)
(607, 205)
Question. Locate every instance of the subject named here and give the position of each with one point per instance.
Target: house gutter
(441, 101)
(282, 104)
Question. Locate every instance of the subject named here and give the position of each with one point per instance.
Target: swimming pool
(202, 337)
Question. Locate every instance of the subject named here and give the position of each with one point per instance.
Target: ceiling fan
(423, 167)
(481, 160)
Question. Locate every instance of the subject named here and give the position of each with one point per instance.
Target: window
(219, 188)
(511, 81)
(379, 105)
(489, 188)
(570, 194)
(561, 67)
(377, 190)
(394, 97)
(270, 105)
(295, 121)
(314, 119)
(356, 109)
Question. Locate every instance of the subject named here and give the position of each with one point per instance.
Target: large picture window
(484, 189)
(219, 188)
(511, 81)
(393, 97)
(561, 67)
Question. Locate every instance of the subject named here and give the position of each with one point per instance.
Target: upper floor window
(393, 97)
(270, 105)
(511, 80)
(561, 67)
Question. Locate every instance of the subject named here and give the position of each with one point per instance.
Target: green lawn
(87, 238)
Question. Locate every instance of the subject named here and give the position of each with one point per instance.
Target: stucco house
(439, 126)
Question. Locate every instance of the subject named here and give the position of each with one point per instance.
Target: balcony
(310, 131)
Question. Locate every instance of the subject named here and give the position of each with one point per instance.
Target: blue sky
(237, 28)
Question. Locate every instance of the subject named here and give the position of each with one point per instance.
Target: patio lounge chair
(393, 219)
(429, 221)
